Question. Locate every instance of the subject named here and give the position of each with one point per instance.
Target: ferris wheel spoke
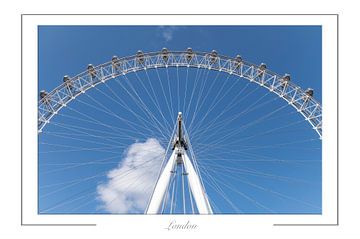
(244, 195)
(202, 85)
(83, 130)
(272, 131)
(72, 166)
(256, 173)
(240, 155)
(113, 128)
(276, 193)
(77, 182)
(81, 134)
(245, 126)
(165, 96)
(267, 190)
(222, 124)
(203, 81)
(253, 159)
(169, 89)
(133, 125)
(266, 158)
(244, 148)
(129, 123)
(72, 183)
(232, 103)
(212, 122)
(154, 101)
(214, 102)
(81, 140)
(268, 118)
(178, 89)
(245, 112)
(205, 127)
(210, 88)
(168, 125)
(88, 149)
(78, 149)
(73, 148)
(186, 88)
(72, 198)
(66, 202)
(44, 187)
(214, 184)
(144, 107)
(86, 202)
(195, 85)
(83, 114)
(103, 132)
(134, 184)
(97, 162)
(258, 158)
(140, 119)
(138, 102)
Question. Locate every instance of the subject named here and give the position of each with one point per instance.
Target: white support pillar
(161, 186)
(178, 157)
(200, 197)
(198, 192)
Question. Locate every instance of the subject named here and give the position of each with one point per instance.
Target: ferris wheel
(179, 132)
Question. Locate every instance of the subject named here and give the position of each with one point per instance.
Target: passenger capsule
(286, 78)
(140, 57)
(91, 70)
(66, 78)
(189, 54)
(309, 92)
(90, 67)
(261, 70)
(43, 94)
(213, 56)
(68, 82)
(165, 54)
(238, 61)
(115, 61)
(262, 67)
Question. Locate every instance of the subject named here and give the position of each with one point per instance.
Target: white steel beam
(161, 186)
(201, 199)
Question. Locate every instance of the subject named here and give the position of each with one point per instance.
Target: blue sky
(259, 172)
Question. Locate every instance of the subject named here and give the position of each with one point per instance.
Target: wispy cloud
(130, 184)
(167, 32)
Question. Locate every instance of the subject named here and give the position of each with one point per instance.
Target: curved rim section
(302, 100)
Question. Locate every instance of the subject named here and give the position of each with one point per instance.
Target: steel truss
(179, 157)
(302, 100)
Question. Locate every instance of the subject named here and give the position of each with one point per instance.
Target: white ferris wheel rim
(302, 100)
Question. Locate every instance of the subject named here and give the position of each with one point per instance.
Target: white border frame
(131, 222)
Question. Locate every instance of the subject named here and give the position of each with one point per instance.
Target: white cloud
(168, 32)
(130, 184)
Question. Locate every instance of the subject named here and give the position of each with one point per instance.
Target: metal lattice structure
(179, 158)
(302, 100)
